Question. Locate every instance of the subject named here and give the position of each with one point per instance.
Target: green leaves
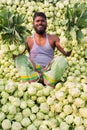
(76, 20)
(11, 26)
(80, 35)
(82, 21)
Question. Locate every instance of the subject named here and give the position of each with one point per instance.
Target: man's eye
(40, 21)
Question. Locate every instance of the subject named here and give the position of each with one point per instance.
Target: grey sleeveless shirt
(41, 55)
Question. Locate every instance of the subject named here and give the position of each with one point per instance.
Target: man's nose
(40, 22)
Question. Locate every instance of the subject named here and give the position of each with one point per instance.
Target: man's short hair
(36, 14)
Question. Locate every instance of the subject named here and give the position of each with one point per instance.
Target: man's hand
(69, 53)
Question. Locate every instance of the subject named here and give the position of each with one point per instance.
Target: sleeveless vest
(42, 55)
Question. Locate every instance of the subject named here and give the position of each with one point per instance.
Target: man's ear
(46, 24)
(33, 23)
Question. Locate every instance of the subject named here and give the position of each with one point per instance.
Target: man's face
(40, 25)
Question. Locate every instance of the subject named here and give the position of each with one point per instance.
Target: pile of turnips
(34, 106)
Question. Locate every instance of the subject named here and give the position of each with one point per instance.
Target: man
(41, 62)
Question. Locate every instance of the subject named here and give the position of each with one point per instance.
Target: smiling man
(41, 63)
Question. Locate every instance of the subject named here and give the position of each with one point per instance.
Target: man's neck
(40, 35)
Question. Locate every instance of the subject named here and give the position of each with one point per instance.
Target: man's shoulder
(29, 38)
(53, 36)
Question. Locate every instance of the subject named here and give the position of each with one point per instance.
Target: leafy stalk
(76, 20)
(11, 26)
